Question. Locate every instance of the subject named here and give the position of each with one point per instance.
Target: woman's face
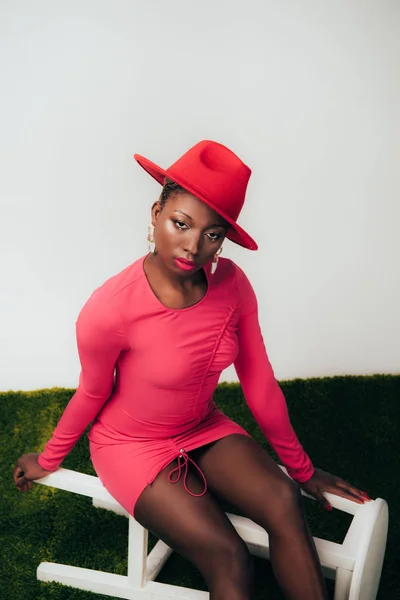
(187, 228)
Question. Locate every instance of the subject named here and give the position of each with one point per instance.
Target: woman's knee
(228, 560)
(290, 493)
(230, 552)
(287, 509)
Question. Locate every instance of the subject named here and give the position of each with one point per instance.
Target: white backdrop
(306, 92)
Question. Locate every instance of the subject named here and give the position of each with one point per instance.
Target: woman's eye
(179, 224)
(214, 237)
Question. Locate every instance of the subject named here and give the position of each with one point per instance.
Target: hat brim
(236, 234)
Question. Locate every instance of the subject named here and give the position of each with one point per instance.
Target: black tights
(240, 472)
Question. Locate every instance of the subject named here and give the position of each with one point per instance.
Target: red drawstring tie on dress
(183, 462)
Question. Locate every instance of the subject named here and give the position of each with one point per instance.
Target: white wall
(306, 92)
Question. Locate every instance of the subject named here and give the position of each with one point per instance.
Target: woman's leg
(239, 471)
(198, 529)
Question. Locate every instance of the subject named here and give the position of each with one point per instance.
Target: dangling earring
(150, 237)
(214, 263)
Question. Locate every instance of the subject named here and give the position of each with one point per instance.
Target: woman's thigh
(238, 470)
(195, 527)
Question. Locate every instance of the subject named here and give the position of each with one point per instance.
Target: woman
(153, 341)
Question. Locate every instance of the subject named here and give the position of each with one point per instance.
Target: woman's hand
(27, 469)
(321, 481)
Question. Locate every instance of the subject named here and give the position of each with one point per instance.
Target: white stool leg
(371, 545)
(342, 584)
(137, 553)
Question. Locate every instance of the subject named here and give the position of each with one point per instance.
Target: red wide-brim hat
(215, 175)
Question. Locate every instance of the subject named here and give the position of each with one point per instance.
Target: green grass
(348, 426)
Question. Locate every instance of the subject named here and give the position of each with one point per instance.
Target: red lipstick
(186, 265)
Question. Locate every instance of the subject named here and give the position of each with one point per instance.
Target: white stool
(355, 565)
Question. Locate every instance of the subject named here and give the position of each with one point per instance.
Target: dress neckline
(192, 306)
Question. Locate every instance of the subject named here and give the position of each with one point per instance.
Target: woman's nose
(192, 244)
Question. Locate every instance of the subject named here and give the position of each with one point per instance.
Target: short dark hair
(170, 188)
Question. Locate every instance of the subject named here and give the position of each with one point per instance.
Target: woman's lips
(185, 265)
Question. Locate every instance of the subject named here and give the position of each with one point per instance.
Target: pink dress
(148, 377)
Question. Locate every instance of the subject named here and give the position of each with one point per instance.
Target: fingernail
(366, 495)
(328, 507)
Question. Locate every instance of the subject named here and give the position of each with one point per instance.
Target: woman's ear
(155, 211)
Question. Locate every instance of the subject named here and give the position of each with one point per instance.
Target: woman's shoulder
(243, 287)
(114, 285)
(107, 297)
(230, 268)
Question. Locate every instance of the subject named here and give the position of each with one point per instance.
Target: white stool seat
(355, 565)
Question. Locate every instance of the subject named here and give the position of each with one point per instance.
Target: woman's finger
(17, 473)
(320, 498)
(348, 493)
(357, 493)
(347, 486)
(21, 481)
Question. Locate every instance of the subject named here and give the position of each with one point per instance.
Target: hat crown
(216, 172)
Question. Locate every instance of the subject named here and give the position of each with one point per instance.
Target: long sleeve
(261, 390)
(100, 340)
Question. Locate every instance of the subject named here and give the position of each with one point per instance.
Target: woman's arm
(261, 390)
(100, 340)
